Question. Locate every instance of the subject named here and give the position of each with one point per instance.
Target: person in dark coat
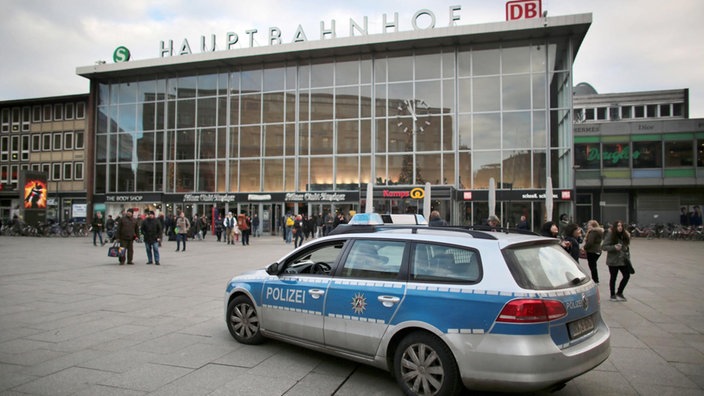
(618, 254)
(592, 246)
(571, 240)
(127, 232)
(98, 228)
(435, 220)
(152, 230)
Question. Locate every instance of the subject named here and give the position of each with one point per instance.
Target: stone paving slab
(73, 322)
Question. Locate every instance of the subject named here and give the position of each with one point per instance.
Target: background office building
(304, 127)
(639, 158)
(45, 135)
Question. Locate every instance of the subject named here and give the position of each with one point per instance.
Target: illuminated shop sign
(516, 195)
(421, 20)
(623, 153)
(315, 197)
(207, 197)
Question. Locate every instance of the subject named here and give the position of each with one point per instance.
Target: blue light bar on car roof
(366, 219)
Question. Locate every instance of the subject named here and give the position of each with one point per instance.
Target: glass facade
(453, 116)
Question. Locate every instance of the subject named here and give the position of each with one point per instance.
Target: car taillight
(531, 311)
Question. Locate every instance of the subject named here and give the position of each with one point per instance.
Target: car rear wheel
(424, 365)
(243, 321)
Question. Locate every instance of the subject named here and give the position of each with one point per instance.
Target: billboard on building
(34, 196)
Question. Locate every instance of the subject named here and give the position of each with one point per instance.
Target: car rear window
(543, 267)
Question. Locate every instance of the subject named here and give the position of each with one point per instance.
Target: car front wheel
(243, 321)
(424, 365)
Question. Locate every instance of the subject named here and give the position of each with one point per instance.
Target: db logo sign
(523, 9)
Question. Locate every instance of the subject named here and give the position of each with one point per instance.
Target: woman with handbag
(618, 258)
(592, 246)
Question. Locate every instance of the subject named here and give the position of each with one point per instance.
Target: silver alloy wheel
(245, 321)
(421, 369)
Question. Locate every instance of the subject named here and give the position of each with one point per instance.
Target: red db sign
(523, 9)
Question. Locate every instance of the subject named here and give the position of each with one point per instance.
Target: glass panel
(127, 92)
(448, 142)
(486, 131)
(250, 141)
(125, 144)
(274, 79)
(486, 94)
(428, 168)
(516, 130)
(100, 179)
(616, 155)
(516, 169)
(290, 99)
(400, 141)
(302, 174)
(321, 134)
(365, 129)
(249, 176)
(207, 85)
(516, 92)
(486, 164)
(381, 136)
(125, 178)
(251, 80)
(430, 137)
(159, 144)
(273, 143)
(274, 175)
(234, 172)
(679, 154)
(400, 68)
(441, 263)
(647, 154)
(516, 59)
(347, 102)
(185, 114)
(273, 107)
(448, 65)
(347, 73)
(185, 177)
(429, 92)
(448, 96)
(206, 176)
(539, 87)
(145, 176)
(304, 139)
(321, 104)
(185, 144)
(427, 66)
(208, 141)
(290, 139)
(365, 70)
(251, 109)
(207, 112)
(400, 169)
(539, 130)
(187, 87)
(365, 169)
(234, 110)
(465, 132)
(465, 169)
(347, 137)
(221, 176)
(485, 61)
(448, 167)
(127, 118)
(381, 176)
(347, 172)
(464, 63)
(145, 147)
(321, 75)
(700, 153)
(321, 172)
(465, 95)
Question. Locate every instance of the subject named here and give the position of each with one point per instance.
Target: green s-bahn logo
(121, 54)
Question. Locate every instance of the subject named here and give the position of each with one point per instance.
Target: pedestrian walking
(152, 231)
(618, 256)
(127, 232)
(219, 227)
(297, 230)
(244, 224)
(592, 246)
(97, 226)
(182, 226)
(256, 225)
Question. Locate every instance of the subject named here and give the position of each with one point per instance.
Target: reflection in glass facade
(454, 116)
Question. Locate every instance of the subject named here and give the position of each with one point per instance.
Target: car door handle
(388, 301)
(316, 293)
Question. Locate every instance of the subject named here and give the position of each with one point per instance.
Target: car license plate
(580, 327)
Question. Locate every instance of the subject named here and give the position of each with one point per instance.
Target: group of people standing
(615, 242)
(230, 228)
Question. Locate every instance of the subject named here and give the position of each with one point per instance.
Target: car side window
(431, 262)
(374, 259)
(319, 260)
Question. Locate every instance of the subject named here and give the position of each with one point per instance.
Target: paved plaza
(73, 322)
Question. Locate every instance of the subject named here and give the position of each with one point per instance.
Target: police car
(440, 308)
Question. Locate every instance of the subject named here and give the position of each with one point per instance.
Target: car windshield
(543, 267)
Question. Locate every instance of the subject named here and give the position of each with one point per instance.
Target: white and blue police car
(440, 308)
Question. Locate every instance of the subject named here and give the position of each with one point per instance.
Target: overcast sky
(632, 45)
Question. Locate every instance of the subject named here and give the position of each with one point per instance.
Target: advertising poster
(35, 195)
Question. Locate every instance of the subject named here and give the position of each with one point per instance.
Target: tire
(424, 365)
(243, 321)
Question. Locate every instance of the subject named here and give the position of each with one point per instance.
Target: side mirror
(273, 269)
